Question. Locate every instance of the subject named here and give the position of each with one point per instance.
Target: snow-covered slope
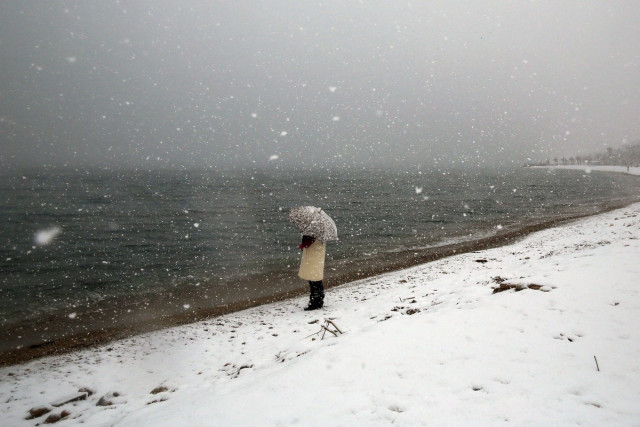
(428, 345)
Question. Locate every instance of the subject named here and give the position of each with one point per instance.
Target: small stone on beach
(38, 411)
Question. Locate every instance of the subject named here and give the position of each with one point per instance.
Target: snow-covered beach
(432, 344)
(134, 262)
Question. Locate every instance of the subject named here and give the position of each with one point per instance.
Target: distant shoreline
(594, 168)
(350, 271)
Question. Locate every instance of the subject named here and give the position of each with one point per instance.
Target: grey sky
(197, 83)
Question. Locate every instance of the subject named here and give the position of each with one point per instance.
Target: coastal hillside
(543, 332)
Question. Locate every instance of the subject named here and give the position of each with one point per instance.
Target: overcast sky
(232, 83)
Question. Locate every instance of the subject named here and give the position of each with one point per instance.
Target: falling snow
(46, 236)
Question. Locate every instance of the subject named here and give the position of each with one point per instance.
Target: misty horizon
(315, 85)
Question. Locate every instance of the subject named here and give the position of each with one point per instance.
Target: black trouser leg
(316, 295)
(318, 291)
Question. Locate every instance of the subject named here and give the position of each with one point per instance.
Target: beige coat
(312, 263)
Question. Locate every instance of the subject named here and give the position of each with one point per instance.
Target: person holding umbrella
(317, 228)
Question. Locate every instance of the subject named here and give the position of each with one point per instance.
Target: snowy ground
(427, 345)
(622, 169)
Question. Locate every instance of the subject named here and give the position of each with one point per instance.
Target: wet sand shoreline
(118, 325)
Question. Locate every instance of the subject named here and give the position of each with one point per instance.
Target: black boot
(316, 296)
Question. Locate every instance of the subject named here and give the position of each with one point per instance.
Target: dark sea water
(73, 241)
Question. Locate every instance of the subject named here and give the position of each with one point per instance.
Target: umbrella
(314, 222)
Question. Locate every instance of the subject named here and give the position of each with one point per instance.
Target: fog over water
(274, 83)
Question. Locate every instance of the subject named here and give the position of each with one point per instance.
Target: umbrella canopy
(312, 221)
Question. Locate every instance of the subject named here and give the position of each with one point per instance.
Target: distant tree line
(627, 155)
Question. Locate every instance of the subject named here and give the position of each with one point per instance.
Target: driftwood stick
(334, 325)
(328, 330)
(324, 330)
(597, 366)
(328, 326)
(315, 333)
